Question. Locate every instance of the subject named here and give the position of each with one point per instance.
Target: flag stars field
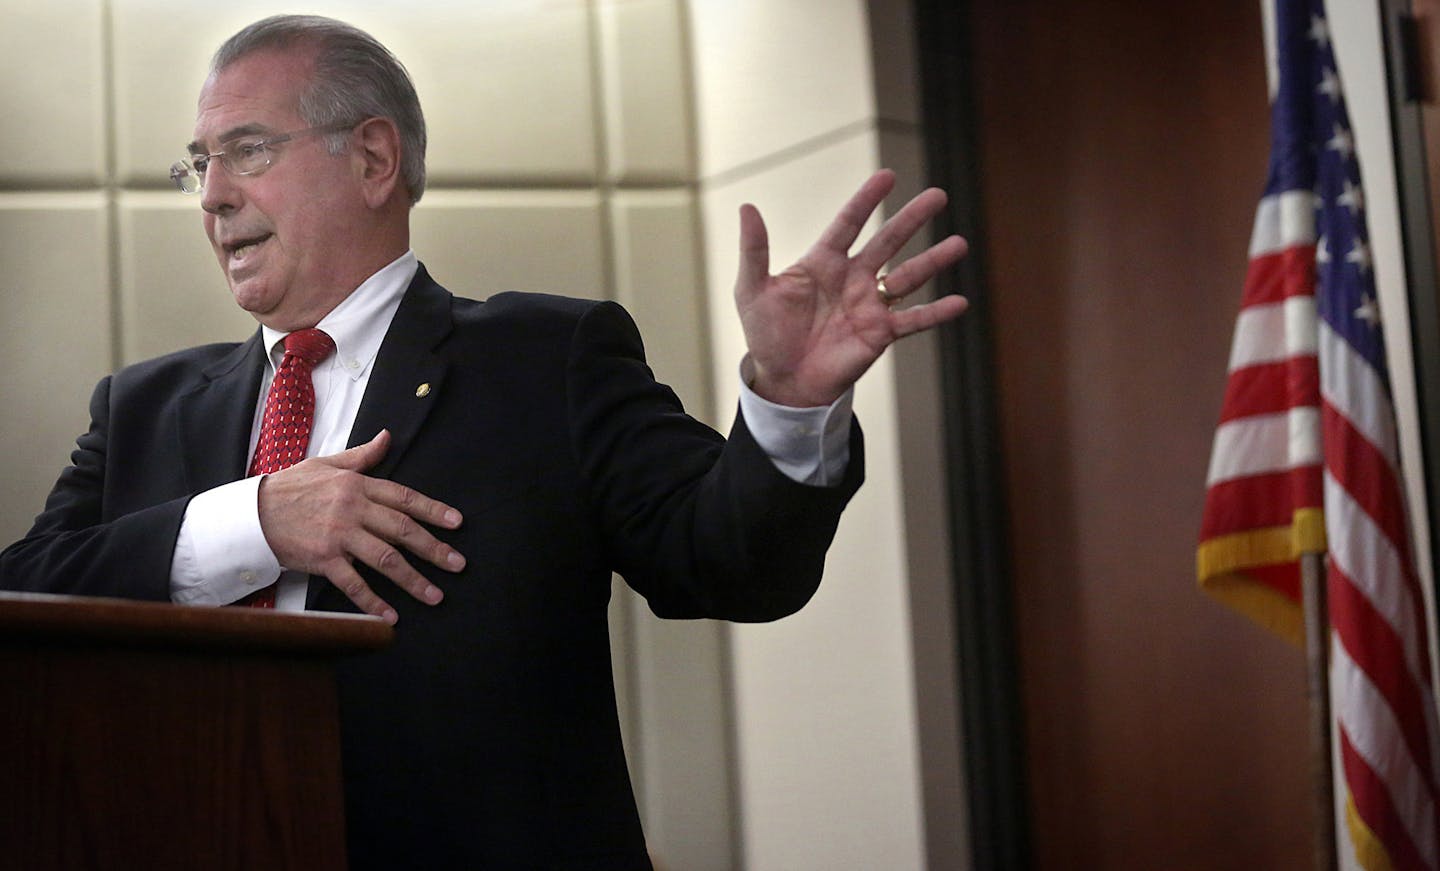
(1342, 142)
(1368, 311)
(1353, 198)
(1329, 85)
(1359, 254)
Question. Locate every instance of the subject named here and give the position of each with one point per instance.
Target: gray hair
(355, 78)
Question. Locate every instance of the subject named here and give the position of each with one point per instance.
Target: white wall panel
(677, 708)
(53, 101)
(505, 84)
(824, 700)
(645, 76)
(172, 292)
(483, 242)
(659, 279)
(161, 50)
(770, 76)
(54, 339)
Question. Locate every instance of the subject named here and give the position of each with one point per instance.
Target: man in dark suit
(475, 470)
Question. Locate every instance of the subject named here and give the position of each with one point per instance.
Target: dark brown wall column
(1121, 152)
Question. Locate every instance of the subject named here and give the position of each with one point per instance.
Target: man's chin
(250, 297)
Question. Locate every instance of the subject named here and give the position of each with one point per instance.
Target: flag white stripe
(1265, 443)
(1274, 331)
(1374, 567)
(1283, 221)
(1370, 724)
(1355, 390)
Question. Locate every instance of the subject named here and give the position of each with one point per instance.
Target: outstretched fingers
(910, 275)
(900, 228)
(845, 229)
(918, 318)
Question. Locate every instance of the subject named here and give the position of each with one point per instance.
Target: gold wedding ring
(885, 296)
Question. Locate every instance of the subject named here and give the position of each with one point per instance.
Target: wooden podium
(142, 735)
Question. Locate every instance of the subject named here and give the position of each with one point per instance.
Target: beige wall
(832, 705)
(590, 148)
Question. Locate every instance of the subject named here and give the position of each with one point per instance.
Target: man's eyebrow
(197, 147)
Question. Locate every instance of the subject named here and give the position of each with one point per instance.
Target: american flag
(1306, 455)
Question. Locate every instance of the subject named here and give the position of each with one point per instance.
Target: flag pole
(1317, 691)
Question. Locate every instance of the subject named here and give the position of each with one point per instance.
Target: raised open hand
(813, 329)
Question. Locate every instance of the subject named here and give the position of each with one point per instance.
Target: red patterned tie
(289, 414)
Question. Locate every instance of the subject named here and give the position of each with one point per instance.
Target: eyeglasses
(244, 155)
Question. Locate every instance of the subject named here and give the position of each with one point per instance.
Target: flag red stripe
(1366, 474)
(1271, 388)
(1378, 651)
(1260, 501)
(1279, 275)
(1373, 804)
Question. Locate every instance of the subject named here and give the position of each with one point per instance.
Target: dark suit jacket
(487, 735)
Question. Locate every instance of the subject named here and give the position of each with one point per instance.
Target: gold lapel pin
(423, 390)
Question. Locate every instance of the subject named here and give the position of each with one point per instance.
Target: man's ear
(376, 157)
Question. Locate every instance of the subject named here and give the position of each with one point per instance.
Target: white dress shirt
(222, 556)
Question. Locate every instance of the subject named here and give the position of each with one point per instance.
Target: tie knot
(310, 345)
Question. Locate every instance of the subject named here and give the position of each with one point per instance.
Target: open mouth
(240, 248)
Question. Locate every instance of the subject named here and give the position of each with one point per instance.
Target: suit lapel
(403, 388)
(216, 418)
(408, 375)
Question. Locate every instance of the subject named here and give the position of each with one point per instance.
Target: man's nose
(220, 193)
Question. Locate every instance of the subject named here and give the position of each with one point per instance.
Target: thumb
(362, 457)
(754, 250)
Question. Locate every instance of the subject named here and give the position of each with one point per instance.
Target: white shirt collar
(359, 323)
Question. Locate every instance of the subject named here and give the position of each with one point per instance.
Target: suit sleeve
(700, 525)
(75, 548)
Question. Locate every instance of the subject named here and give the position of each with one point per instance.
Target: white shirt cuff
(221, 555)
(807, 445)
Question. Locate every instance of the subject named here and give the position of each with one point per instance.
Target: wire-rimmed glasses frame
(243, 155)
